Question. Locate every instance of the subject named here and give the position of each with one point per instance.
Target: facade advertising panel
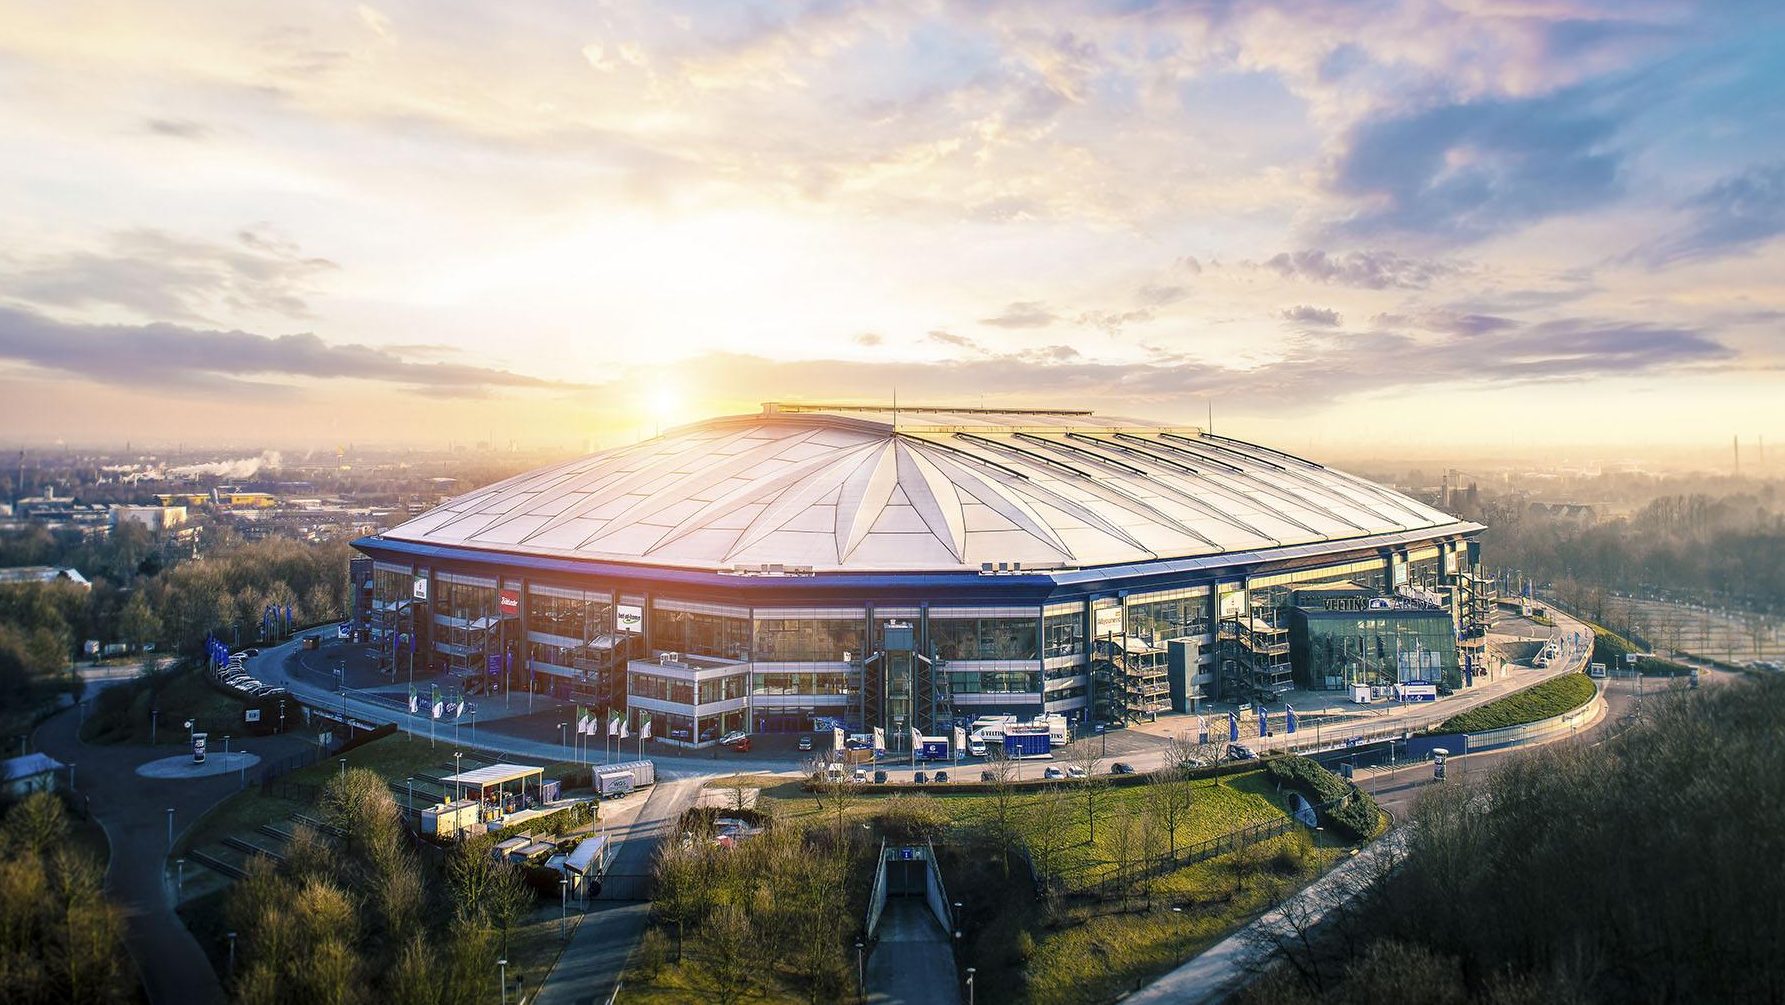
(511, 603)
(1106, 621)
(1233, 604)
(629, 618)
(420, 588)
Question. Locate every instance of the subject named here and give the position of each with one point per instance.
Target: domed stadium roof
(844, 489)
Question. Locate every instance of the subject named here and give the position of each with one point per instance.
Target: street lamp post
(502, 965)
(458, 787)
(170, 830)
(343, 767)
(411, 782)
(970, 986)
(154, 721)
(861, 972)
(563, 905)
(232, 954)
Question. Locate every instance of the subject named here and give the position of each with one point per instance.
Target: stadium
(911, 568)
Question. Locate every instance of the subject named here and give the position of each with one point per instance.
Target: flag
(414, 701)
(960, 740)
(1288, 719)
(1202, 729)
(458, 709)
(613, 726)
(916, 738)
(624, 731)
(1233, 727)
(644, 729)
(879, 738)
(1264, 722)
(836, 738)
(439, 707)
(582, 719)
(583, 725)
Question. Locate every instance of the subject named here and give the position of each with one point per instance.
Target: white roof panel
(844, 489)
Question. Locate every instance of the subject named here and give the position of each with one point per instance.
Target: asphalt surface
(912, 962)
(133, 812)
(589, 969)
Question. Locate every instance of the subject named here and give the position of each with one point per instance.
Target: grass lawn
(1089, 955)
(180, 695)
(1550, 698)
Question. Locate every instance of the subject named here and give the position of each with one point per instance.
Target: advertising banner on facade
(420, 587)
(510, 601)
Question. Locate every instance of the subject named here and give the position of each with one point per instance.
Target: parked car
(1241, 752)
(735, 736)
(941, 776)
(1053, 773)
(805, 743)
(879, 778)
(1193, 762)
(1074, 771)
(1121, 768)
(861, 775)
(988, 776)
(919, 778)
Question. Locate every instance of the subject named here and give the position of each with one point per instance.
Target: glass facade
(1335, 649)
(984, 638)
(809, 640)
(704, 634)
(1155, 621)
(1063, 634)
(786, 682)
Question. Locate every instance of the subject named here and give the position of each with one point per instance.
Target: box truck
(1027, 744)
(933, 748)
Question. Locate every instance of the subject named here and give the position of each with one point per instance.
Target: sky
(1329, 226)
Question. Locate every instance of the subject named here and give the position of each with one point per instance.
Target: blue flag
(1288, 719)
(1264, 722)
(1233, 727)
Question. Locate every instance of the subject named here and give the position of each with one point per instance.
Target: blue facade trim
(934, 587)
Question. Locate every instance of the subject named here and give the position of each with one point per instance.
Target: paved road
(912, 962)
(591, 964)
(133, 812)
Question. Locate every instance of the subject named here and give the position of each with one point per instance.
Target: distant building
(22, 776)
(155, 518)
(51, 511)
(22, 574)
(1581, 513)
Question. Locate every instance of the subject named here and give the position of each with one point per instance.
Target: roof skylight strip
(958, 452)
(1020, 452)
(1136, 452)
(1082, 452)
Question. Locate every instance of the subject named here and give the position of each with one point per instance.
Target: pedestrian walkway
(912, 962)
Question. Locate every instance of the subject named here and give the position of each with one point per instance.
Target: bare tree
(1049, 824)
(1084, 757)
(1169, 803)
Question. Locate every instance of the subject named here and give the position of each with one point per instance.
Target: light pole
(502, 964)
(560, 734)
(180, 881)
(861, 971)
(563, 905)
(458, 787)
(411, 782)
(232, 954)
(170, 830)
(154, 721)
(343, 768)
(970, 986)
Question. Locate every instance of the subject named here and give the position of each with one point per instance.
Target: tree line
(61, 941)
(1644, 868)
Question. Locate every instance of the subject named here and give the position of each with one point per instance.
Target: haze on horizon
(1351, 226)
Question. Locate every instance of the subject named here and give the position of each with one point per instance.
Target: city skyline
(1412, 225)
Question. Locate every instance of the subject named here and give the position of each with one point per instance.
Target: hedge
(1347, 807)
(561, 821)
(1550, 698)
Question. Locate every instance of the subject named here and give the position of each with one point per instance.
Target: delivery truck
(1020, 744)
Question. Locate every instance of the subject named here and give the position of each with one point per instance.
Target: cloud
(1448, 322)
(1736, 214)
(1461, 172)
(869, 339)
(1112, 322)
(1321, 368)
(167, 355)
(1161, 295)
(1322, 317)
(162, 276)
(1371, 270)
(958, 341)
(184, 129)
(1022, 314)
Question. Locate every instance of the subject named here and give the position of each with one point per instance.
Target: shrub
(1348, 808)
(1550, 698)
